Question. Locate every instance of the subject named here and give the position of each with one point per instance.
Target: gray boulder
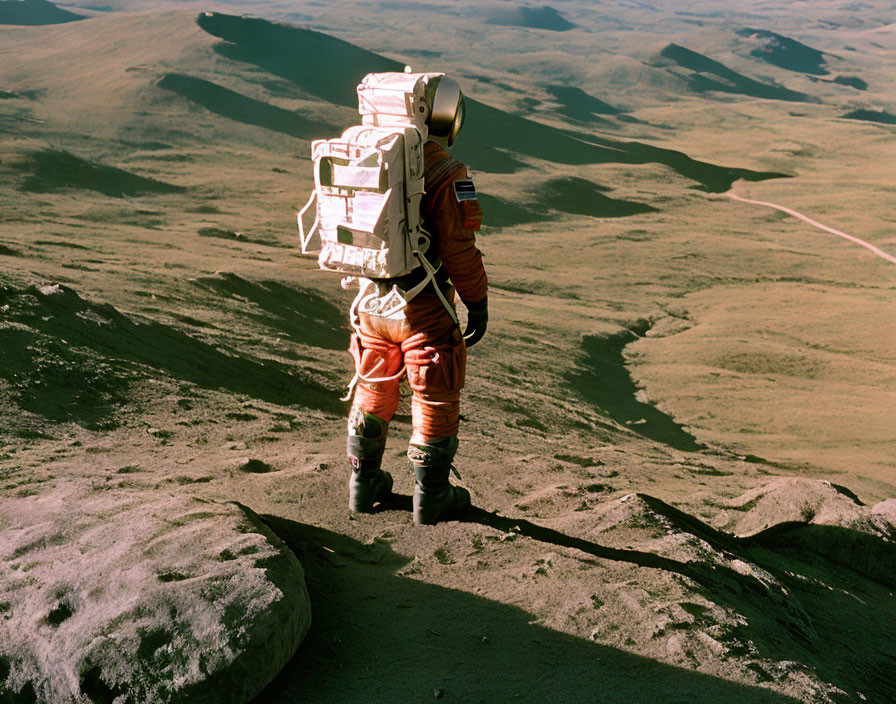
(121, 595)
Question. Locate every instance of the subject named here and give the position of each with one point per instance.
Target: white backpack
(368, 184)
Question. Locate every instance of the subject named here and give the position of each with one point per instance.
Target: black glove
(477, 321)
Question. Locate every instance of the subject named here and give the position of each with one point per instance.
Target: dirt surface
(677, 430)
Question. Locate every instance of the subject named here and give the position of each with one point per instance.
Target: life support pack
(364, 212)
(363, 219)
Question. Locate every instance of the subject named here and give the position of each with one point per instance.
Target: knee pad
(366, 425)
(366, 440)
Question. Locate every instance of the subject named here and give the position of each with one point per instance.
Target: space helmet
(447, 108)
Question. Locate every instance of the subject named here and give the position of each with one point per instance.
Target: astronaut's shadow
(523, 527)
(817, 570)
(381, 633)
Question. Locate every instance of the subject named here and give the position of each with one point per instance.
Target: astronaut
(425, 337)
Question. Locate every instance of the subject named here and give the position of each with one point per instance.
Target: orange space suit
(429, 343)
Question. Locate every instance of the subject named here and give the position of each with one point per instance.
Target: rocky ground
(111, 590)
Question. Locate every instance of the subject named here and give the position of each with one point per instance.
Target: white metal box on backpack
(364, 213)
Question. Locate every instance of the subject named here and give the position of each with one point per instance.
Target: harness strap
(305, 238)
(431, 273)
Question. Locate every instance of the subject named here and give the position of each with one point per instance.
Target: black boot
(366, 442)
(435, 498)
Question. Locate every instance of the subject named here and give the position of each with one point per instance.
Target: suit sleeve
(456, 217)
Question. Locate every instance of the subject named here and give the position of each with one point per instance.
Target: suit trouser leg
(436, 367)
(432, 349)
(368, 423)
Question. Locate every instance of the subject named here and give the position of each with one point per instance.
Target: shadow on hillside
(576, 104)
(576, 196)
(803, 597)
(67, 359)
(492, 136)
(494, 82)
(785, 52)
(844, 581)
(330, 69)
(241, 108)
(727, 81)
(851, 81)
(303, 316)
(53, 170)
(546, 18)
(500, 212)
(604, 381)
(881, 116)
(833, 615)
(34, 13)
(859, 552)
(379, 637)
(221, 233)
(323, 66)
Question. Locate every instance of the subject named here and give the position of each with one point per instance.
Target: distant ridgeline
(34, 12)
(495, 141)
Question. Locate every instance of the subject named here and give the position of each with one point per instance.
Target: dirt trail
(815, 223)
